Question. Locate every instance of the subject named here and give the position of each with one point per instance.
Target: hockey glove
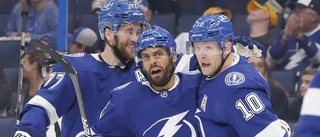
(27, 132)
(248, 47)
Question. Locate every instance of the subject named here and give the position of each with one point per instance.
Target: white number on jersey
(55, 75)
(255, 104)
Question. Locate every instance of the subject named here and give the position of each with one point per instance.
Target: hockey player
(120, 24)
(162, 106)
(310, 114)
(234, 100)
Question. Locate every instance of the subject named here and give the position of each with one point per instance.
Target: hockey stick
(74, 78)
(20, 79)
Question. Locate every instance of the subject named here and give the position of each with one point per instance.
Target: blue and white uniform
(308, 125)
(234, 103)
(136, 109)
(58, 98)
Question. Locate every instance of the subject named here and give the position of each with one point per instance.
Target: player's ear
(174, 58)
(228, 45)
(109, 35)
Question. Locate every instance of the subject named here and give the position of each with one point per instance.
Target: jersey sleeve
(51, 101)
(250, 113)
(186, 63)
(308, 125)
(113, 118)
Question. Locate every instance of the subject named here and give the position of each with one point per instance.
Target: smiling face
(209, 56)
(158, 66)
(127, 37)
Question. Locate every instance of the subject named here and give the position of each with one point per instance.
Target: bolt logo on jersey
(234, 78)
(170, 126)
(107, 6)
(223, 18)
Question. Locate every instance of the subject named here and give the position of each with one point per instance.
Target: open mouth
(155, 71)
(205, 64)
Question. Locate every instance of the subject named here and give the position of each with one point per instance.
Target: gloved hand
(286, 127)
(246, 41)
(82, 134)
(247, 47)
(27, 132)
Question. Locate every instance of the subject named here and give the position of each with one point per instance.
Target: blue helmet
(115, 13)
(158, 37)
(215, 27)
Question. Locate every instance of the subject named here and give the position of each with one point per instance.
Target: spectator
(184, 36)
(295, 106)
(82, 40)
(296, 47)
(32, 73)
(308, 124)
(42, 19)
(263, 21)
(278, 97)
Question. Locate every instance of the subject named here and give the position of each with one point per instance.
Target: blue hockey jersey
(308, 125)
(137, 110)
(57, 98)
(296, 54)
(237, 103)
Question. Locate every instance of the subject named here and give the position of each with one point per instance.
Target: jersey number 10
(255, 106)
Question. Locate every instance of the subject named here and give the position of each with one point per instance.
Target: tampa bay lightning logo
(171, 126)
(223, 18)
(234, 78)
(107, 6)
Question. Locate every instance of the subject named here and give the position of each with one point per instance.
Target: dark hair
(311, 71)
(36, 56)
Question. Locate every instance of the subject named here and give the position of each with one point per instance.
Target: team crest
(234, 78)
(223, 18)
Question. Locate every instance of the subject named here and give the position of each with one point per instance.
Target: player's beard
(122, 49)
(167, 74)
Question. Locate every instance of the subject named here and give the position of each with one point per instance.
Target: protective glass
(155, 54)
(206, 48)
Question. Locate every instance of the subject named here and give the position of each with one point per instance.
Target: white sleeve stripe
(311, 98)
(51, 111)
(272, 130)
(184, 64)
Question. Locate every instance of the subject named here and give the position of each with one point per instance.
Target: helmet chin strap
(118, 54)
(221, 65)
